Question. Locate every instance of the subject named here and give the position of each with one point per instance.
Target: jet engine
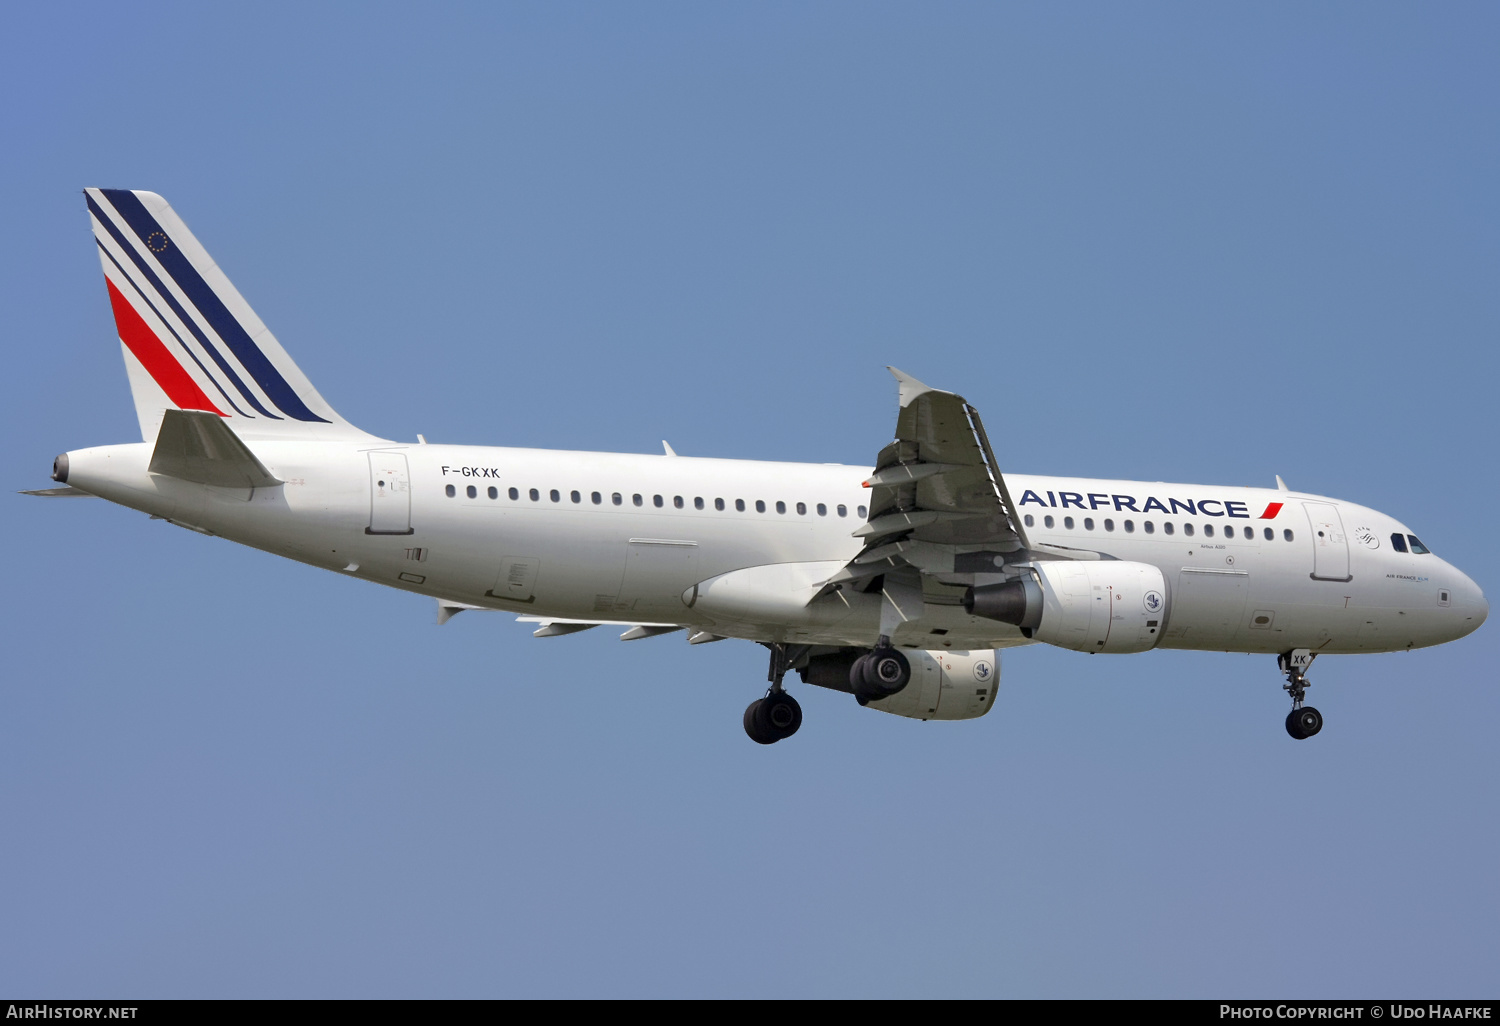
(1105, 606)
(944, 685)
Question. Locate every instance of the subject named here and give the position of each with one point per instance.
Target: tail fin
(190, 340)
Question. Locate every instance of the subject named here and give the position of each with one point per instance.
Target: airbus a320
(898, 583)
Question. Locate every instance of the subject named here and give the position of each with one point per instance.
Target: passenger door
(390, 494)
(1330, 546)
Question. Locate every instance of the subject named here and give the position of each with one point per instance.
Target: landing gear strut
(1303, 721)
(777, 716)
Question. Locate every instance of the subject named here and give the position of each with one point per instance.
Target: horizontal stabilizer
(197, 446)
(67, 492)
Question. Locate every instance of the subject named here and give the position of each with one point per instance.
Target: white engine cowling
(1109, 606)
(944, 685)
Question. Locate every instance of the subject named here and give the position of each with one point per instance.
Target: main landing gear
(879, 673)
(777, 716)
(1303, 721)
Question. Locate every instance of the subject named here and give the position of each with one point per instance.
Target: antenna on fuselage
(1281, 485)
(667, 447)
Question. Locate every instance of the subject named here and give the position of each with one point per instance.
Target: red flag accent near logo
(1271, 511)
(159, 363)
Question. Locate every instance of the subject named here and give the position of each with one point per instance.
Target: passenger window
(1049, 521)
(1417, 547)
(739, 505)
(1249, 533)
(760, 505)
(451, 491)
(1068, 523)
(822, 510)
(1088, 523)
(636, 498)
(862, 512)
(719, 505)
(1398, 542)
(1150, 527)
(677, 501)
(780, 506)
(802, 509)
(616, 498)
(536, 496)
(658, 501)
(1029, 520)
(1187, 529)
(514, 494)
(698, 502)
(596, 498)
(471, 491)
(555, 495)
(1130, 527)
(1287, 534)
(1208, 531)
(575, 496)
(494, 492)
(1167, 528)
(1270, 534)
(1109, 525)
(843, 510)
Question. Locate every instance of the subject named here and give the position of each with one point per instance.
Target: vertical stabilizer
(190, 340)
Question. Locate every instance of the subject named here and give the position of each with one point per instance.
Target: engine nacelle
(1105, 606)
(944, 685)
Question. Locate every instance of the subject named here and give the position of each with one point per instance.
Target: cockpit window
(1417, 546)
(1398, 542)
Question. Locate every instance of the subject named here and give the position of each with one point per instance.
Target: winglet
(910, 387)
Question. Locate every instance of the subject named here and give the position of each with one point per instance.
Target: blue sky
(1153, 241)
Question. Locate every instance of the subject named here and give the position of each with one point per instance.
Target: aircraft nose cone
(1474, 608)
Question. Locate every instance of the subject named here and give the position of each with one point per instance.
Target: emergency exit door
(390, 494)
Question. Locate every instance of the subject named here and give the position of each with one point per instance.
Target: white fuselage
(1319, 574)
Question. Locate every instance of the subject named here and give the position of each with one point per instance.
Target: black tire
(778, 716)
(753, 725)
(887, 672)
(1292, 728)
(857, 678)
(1309, 721)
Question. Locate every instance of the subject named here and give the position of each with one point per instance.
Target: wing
(938, 503)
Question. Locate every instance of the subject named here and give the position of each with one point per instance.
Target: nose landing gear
(1303, 721)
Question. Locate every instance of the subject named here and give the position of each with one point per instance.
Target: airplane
(898, 584)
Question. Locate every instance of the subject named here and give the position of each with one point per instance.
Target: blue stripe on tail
(171, 300)
(212, 308)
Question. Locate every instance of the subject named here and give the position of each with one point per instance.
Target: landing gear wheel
(879, 674)
(773, 718)
(1303, 723)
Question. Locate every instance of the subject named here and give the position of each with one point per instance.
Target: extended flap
(196, 446)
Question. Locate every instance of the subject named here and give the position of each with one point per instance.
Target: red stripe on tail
(159, 363)
(1271, 511)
